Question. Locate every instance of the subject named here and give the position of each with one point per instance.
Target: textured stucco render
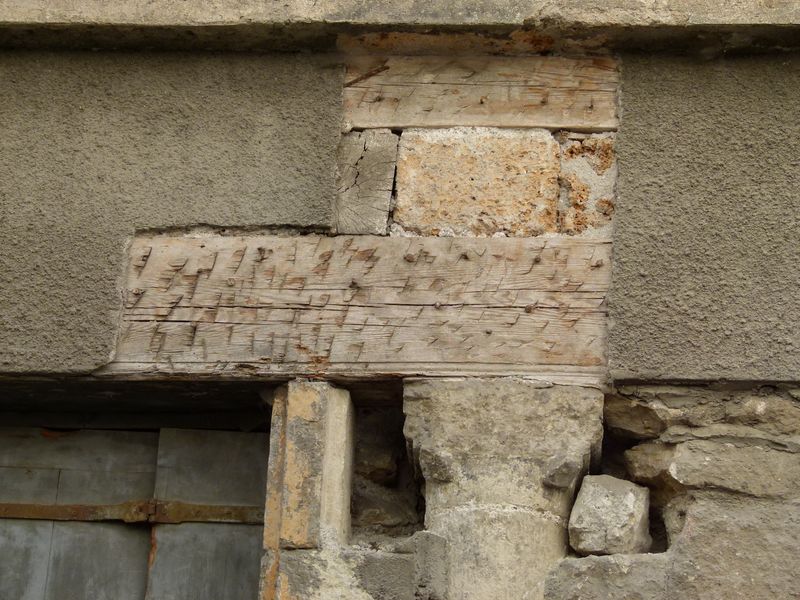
(706, 249)
(95, 146)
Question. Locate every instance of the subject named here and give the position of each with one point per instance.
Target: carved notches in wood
(578, 94)
(363, 305)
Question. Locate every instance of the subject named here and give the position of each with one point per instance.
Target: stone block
(768, 416)
(477, 182)
(345, 574)
(490, 441)
(366, 163)
(730, 546)
(616, 577)
(707, 464)
(499, 552)
(610, 516)
(588, 179)
(431, 570)
(310, 467)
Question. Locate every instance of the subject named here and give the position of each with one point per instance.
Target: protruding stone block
(696, 464)
(477, 182)
(366, 163)
(610, 516)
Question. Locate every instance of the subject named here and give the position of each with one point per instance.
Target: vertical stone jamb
(309, 480)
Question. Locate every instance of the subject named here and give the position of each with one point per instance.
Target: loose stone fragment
(610, 516)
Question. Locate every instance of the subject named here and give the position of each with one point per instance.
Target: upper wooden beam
(363, 306)
(578, 94)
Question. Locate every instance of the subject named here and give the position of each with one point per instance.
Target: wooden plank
(578, 94)
(363, 306)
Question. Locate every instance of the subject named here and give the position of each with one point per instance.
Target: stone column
(501, 458)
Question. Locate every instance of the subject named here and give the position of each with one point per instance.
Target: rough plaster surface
(97, 145)
(706, 251)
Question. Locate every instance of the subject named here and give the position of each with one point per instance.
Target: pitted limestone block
(729, 465)
(588, 178)
(318, 575)
(477, 182)
(617, 577)
(610, 516)
(730, 546)
(366, 163)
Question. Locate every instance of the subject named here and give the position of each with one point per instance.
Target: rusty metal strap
(147, 511)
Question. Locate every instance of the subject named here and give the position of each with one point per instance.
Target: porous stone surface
(705, 240)
(477, 182)
(98, 145)
(588, 178)
(610, 516)
(734, 465)
(615, 577)
(485, 446)
(366, 164)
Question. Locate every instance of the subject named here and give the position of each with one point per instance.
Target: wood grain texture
(365, 306)
(578, 94)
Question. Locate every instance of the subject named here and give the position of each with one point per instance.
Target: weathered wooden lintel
(364, 307)
(577, 94)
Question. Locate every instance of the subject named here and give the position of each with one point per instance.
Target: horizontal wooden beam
(364, 306)
(578, 94)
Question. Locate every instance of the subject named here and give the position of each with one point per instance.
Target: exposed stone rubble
(724, 470)
(385, 493)
(588, 179)
(485, 447)
(610, 516)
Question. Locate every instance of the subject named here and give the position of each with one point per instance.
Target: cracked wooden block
(478, 182)
(366, 164)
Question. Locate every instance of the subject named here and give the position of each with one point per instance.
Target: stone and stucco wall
(683, 163)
